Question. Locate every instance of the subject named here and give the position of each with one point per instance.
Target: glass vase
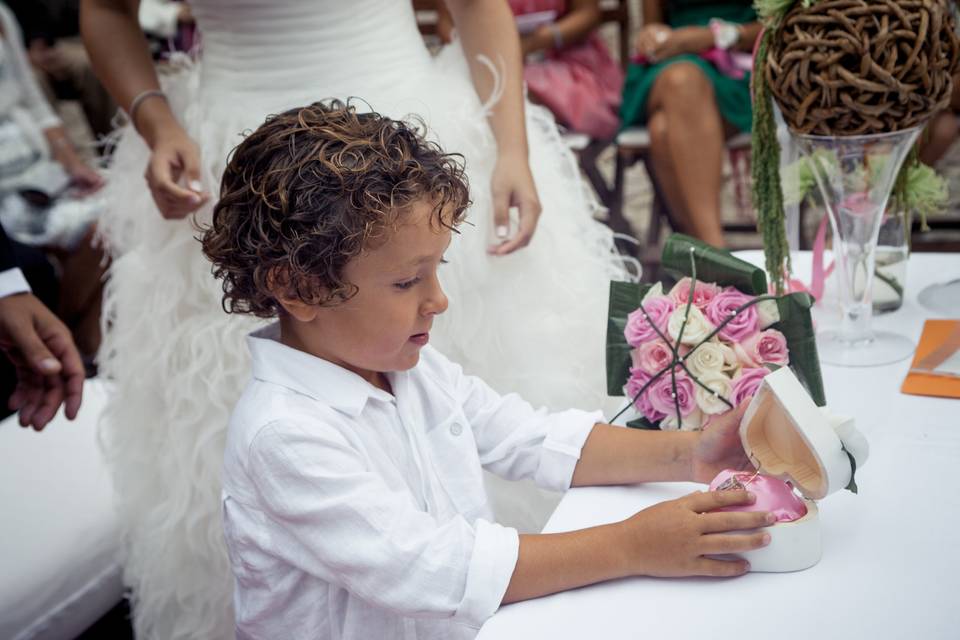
(855, 175)
(893, 250)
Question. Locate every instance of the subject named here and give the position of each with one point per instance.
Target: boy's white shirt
(353, 513)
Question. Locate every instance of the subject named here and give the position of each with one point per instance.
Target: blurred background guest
(51, 35)
(690, 87)
(47, 192)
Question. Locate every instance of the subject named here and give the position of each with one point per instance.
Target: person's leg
(694, 130)
(940, 135)
(665, 172)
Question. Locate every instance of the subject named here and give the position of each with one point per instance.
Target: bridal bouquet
(702, 347)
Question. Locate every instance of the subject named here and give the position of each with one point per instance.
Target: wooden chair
(943, 235)
(588, 150)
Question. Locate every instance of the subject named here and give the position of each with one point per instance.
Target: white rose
(767, 313)
(711, 402)
(691, 422)
(696, 329)
(730, 361)
(707, 359)
(655, 291)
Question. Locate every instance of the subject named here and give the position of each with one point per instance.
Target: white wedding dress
(531, 322)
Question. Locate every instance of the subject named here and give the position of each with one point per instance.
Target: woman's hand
(684, 40)
(675, 538)
(175, 160)
(651, 37)
(84, 178)
(719, 447)
(512, 186)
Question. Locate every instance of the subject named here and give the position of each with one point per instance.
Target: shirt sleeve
(12, 281)
(515, 440)
(335, 518)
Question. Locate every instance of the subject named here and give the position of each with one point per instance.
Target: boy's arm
(614, 455)
(668, 539)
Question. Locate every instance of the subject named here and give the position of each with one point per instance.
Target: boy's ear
(278, 283)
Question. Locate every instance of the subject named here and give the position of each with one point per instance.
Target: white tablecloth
(59, 538)
(891, 555)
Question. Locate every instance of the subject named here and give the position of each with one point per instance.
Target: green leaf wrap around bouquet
(722, 268)
(713, 265)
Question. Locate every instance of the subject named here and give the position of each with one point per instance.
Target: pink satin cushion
(773, 495)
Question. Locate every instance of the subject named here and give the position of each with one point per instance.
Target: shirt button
(456, 428)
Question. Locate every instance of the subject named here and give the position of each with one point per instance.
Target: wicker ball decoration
(857, 67)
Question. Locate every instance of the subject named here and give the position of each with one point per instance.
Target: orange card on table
(935, 370)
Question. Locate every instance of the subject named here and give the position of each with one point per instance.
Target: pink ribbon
(818, 273)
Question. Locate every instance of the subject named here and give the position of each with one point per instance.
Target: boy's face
(384, 326)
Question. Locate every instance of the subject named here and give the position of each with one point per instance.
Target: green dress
(733, 96)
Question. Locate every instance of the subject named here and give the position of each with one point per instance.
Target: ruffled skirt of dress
(532, 322)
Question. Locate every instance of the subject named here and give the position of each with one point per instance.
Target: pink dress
(580, 84)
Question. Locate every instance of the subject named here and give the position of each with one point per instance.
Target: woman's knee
(683, 84)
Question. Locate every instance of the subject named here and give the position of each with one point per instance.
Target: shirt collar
(309, 375)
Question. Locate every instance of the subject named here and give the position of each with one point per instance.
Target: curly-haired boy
(353, 500)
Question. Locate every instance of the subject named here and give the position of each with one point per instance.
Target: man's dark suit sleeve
(7, 259)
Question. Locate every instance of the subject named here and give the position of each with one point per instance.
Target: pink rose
(746, 384)
(654, 310)
(661, 395)
(769, 346)
(703, 293)
(653, 356)
(742, 325)
(638, 378)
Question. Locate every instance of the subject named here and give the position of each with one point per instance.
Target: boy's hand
(670, 539)
(719, 447)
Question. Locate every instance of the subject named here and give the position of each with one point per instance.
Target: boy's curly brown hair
(306, 192)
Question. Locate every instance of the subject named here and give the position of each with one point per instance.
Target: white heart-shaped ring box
(789, 437)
